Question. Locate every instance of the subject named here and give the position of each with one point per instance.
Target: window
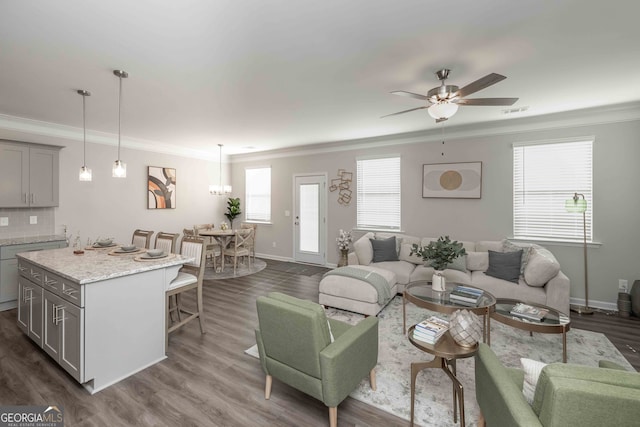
(378, 193)
(544, 177)
(258, 194)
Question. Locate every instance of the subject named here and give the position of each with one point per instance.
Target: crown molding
(28, 128)
(570, 119)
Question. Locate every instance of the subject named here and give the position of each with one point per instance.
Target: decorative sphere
(465, 328)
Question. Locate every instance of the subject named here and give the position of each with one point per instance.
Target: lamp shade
(575, 205)
(442, 110)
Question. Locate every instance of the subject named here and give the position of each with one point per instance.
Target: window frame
(369, 225)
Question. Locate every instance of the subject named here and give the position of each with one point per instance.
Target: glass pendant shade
(85, 174)
(119, 169)
(443, 110)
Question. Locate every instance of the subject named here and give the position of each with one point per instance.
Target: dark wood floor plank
(207, 380)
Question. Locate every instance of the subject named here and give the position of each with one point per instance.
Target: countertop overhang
(96, 265)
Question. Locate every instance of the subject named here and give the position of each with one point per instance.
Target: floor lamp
(578, 204)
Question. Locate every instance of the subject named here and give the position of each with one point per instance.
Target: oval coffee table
(554, 322)
(446, 352)
(421, 294)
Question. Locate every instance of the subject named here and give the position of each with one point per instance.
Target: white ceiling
(279, 73)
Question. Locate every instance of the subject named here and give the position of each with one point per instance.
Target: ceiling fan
(443, 101)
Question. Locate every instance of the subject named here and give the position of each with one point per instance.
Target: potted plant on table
(233, 209)
(440, 253)
(344, 239)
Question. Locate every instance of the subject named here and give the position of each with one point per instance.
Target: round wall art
(452, 180)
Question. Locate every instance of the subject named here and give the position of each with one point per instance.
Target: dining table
(223, 237)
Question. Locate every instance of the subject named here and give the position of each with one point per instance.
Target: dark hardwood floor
(207, 380)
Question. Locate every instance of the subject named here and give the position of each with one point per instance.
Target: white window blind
(544, 177)
(258, 194)
(378, 193)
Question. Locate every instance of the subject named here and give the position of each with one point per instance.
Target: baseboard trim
(602, 305)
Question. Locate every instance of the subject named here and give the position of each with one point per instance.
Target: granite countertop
(96, 265)
(31, 239)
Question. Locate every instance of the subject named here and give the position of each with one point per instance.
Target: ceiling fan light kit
(443, 101)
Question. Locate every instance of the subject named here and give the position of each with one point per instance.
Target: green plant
(441, 252)
(233, 210)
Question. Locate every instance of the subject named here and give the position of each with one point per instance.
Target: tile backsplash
(19, 222)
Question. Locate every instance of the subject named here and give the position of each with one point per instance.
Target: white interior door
(309, 225)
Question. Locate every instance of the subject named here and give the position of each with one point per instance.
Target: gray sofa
(541, 280)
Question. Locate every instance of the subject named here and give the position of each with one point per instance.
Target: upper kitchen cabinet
(29, 175)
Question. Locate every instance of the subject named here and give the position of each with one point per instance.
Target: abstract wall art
(161, 185)
(452, 180)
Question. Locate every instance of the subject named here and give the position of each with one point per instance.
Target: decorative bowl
(155, 252)
(128, 248)
(104, 242)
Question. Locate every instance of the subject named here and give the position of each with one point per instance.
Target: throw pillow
(504, 265)
(509, 246)
(384, 250)
(362, 248)
(532, 369)
(541, 268)
(459, 263)
(477, 261)
(405, 251)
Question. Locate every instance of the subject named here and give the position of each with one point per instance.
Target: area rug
(433, 388)
(257, 265)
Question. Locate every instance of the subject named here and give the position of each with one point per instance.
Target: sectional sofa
(541, 280)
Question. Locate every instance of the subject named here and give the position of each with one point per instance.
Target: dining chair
(238, 247)
(251, 244)
(142, 238)
(213, 248)
(166, 241)
(190, 277)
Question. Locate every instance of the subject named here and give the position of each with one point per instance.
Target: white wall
(616, 197)
(115, 207)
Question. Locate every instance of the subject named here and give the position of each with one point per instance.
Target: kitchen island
(101, 317)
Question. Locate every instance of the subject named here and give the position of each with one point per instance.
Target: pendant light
(85, 172)
(220, 190)
(119, 167)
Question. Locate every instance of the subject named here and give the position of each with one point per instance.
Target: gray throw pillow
(504, 265)
(384, 250)
(508, 246)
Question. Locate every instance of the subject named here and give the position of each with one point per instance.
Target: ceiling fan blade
(402, 112)
(410, 95)
(480, 84)
(487, 101)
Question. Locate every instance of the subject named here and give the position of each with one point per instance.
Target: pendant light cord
(119, 114)
(84, 133)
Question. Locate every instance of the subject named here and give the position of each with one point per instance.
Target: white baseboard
(603, 305)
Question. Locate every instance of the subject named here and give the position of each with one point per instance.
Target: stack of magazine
(431, 329)
(529, 312)
(465, 295)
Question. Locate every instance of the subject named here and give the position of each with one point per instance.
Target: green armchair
(565, 395)
(295, 345)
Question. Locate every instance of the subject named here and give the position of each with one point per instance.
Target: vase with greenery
(440, 253)
(233, 210)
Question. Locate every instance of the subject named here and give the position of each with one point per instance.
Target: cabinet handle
(35, 274)
(50, 282)
(25, 198)
(22, 268)
(69, 291)
(33, 198)
(57, 318)
(27, 295)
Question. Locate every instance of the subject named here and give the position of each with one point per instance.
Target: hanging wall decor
(342, 184)
(452, 180)
(161, 188)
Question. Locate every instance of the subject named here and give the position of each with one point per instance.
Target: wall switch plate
(33, 219)
(4, 221)
(274, 244)
(623, 285)
(287, 213)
